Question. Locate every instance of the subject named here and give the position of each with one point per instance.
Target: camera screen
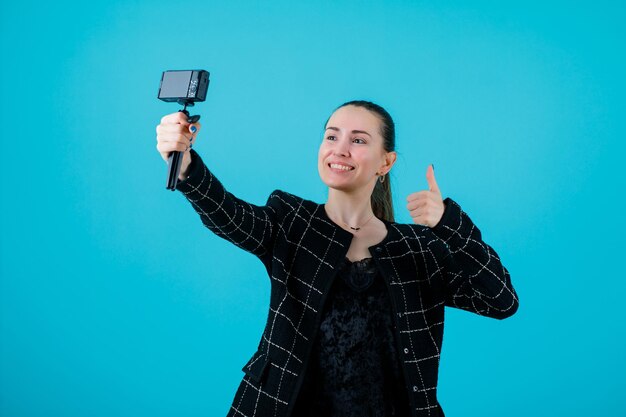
(175, 84)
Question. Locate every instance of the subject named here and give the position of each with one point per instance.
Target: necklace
(359, 227)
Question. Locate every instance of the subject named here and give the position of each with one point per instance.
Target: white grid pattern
(425, 270)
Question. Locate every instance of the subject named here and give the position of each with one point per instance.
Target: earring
(382, 178)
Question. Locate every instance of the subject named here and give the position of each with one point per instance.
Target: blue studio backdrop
(116, 301)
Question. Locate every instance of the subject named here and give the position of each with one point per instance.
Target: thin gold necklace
(359, 227)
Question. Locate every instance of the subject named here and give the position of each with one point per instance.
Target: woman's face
(352, 138)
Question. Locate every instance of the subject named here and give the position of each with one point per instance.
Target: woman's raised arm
(246, 225)
(474, 278)
(250, 227)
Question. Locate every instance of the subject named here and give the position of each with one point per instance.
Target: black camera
(184, 87)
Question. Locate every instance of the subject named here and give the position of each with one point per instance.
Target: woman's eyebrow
(354, 131)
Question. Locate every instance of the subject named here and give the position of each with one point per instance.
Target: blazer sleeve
(250, 227)
(474, 278)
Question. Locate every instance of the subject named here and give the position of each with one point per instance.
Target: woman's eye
(335, 138)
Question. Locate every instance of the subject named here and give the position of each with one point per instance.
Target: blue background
(116, 301)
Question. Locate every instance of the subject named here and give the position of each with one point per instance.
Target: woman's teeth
(342, 167)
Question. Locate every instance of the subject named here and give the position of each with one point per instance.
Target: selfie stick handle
(175, 160)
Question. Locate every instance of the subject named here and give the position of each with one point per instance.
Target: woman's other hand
(427, 207)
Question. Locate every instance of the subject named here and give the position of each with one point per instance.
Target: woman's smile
(340, 168)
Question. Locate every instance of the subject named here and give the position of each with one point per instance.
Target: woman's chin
(339, 185)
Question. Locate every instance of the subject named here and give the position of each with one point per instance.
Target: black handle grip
(175, 160)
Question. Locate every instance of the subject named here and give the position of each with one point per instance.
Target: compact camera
(184, 87)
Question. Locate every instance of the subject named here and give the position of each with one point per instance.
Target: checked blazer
(425, 269)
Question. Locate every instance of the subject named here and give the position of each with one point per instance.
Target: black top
(354, 368)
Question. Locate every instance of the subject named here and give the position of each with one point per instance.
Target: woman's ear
(390, 159)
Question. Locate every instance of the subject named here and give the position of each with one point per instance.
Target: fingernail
(193, 129)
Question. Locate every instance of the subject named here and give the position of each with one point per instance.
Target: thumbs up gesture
(427, 207)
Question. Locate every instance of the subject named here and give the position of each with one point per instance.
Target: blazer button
(406, 350)
(414, 388)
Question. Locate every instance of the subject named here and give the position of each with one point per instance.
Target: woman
(355, 322)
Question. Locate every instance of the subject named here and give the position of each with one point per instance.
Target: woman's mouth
(340, 167)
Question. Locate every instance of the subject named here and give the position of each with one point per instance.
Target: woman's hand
(427, 207)
(174, 133)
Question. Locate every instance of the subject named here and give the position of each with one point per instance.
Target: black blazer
(424, 268)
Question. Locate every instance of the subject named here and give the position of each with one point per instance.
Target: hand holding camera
(174, 133)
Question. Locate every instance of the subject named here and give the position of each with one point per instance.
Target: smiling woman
(355, 321)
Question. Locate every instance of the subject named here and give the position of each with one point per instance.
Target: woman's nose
(342, 147)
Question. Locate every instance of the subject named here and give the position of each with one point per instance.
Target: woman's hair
(382, 204)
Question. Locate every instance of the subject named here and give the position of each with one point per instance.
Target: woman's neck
(352, 208)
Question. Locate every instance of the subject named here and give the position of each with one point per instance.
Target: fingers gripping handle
(175, 160)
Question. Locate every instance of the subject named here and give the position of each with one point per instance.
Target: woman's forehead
(354, 118)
